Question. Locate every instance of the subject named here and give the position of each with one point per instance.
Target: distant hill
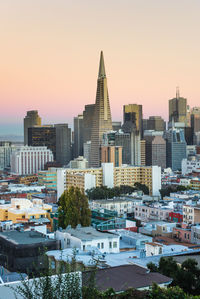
(12, 138)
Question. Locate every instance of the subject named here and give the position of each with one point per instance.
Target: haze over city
(50, 55)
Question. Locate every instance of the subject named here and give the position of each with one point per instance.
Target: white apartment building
(190, 165)
(119, 205)
(145, 213)
(30, 159)
(191, 214)
(88, 238)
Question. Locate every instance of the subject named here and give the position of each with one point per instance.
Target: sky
(50, 54)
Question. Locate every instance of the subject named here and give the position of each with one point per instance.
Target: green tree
(73, 209)
(142, 187)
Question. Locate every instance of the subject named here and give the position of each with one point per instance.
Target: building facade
(29, 159)
(31, 119)
(102, 120)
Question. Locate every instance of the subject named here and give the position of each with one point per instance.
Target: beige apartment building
(110, 176)
(191, 214)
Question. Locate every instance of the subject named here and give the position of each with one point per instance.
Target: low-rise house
(129, 239)
(22, 251)
(122, 278)
(23, 210)
(120, 205)
(191, 214)
(145, 213)
(153, 248)
(195, 234)
(182, 233)
(87, 238)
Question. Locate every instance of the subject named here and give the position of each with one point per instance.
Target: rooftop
(24, 237)
(88, 233)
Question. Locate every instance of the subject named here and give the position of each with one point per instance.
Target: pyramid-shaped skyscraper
(102, 121)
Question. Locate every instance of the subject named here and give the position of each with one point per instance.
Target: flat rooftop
(24, 237)
(88, 233)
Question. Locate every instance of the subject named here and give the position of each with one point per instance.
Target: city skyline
(43, 68)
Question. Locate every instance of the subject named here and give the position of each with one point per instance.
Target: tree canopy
(73, 208)
(186, 276)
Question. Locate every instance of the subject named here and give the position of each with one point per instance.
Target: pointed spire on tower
(102, 72)
(177, 93)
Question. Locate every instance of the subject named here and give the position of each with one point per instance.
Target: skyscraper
(102, 121)
(175, 148)
(88, 114)
(78, 136)
(178, 109)
(155, 151)
(133, 113)
(30, 120)
(63, 143)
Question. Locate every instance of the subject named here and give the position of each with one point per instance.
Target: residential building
(195, 234)
(30, 159)
(21, 250)
(48, 178)
(63, 144)
(153, 248)
(110, 176)
(102, 120)
(191, 214)
(43, 136)
(190, 165)
(145, 213)
(87, 238)
(31, 119)
(182, 233)
(120, 205)
(24, 210)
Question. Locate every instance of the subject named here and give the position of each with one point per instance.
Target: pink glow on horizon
(50, 52)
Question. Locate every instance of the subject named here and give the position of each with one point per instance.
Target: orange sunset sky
(50, 54)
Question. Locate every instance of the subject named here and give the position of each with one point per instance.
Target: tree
(142, 187)
(73, 208)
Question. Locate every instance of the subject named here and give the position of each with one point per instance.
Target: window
(110, 244)
(98, 245)
(114, 244)
(83, 247)
(102, 245)
(53, 265)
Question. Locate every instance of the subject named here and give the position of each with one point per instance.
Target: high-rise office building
(178, 109)
(175, 148)
(155, 151)
(111, 154)
(63, 143)
(78, 136)
(133, 113)
(43, 136)
(155, 123)
(30, 120)
(117, 125)
(102, 120)
(195, 122)
(88, 114)
(143, 152)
